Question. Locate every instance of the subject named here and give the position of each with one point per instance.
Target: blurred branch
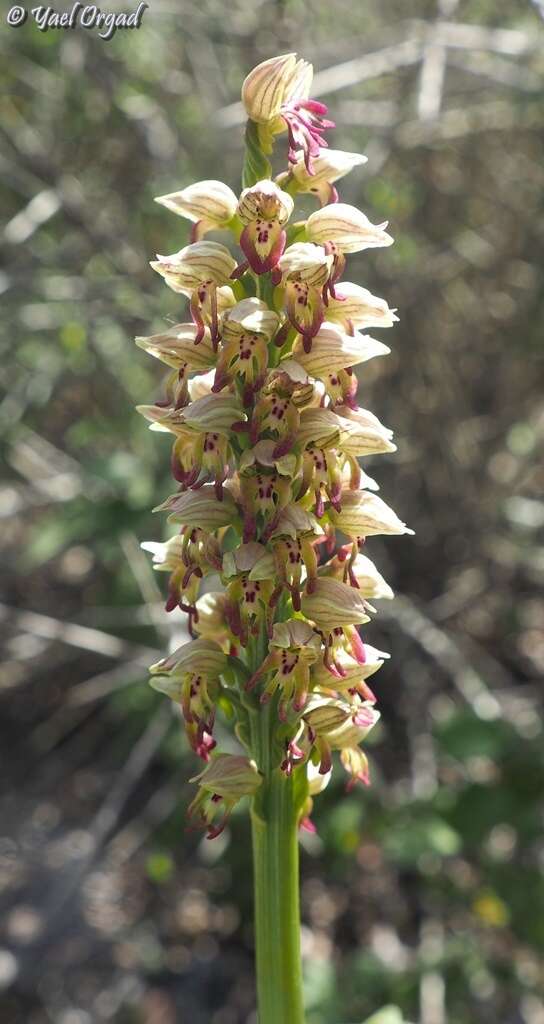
(38, 211)
(127, 841)
(431, 46)
(511, 42)
(104, 683)
(497, 69)
(147, 583)
(84, 637)
(433, 67)
(441, 647)
(431, 80)
(496, 115)
(132, 771)
(104, 821)
(375, 113)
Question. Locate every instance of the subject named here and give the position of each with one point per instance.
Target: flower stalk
(272, 506)
(275, 826)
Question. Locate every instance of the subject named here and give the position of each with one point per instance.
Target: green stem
(275, 819)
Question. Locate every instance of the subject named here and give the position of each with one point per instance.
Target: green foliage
(160, 867)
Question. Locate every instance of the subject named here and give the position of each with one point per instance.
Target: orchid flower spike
(272, 503)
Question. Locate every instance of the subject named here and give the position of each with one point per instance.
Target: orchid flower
(276, 97)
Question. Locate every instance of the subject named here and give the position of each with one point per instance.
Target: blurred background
(423, 894)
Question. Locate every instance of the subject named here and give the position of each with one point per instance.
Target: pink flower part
(263, 242)
(305, 126)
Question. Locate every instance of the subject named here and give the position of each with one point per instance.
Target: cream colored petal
(365, 515)
(346, 226)
(334, 604)
(333, 350)
(210, 201)
(176, 347)
(359, 307)
(328, 167)
(263, 90)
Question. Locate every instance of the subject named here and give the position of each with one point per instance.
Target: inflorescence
(273, 507)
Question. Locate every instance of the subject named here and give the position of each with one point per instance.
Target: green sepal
(225, 704)
(239, 290)
(230, 539)
(296, 232)
(301, 787)
(241, 731)
(235, 225)
(240, 671)
(256, 165)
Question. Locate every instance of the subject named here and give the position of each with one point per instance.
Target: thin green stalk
(274, 817)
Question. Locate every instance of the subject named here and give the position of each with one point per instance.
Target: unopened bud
(355, 762)
(274, 82)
